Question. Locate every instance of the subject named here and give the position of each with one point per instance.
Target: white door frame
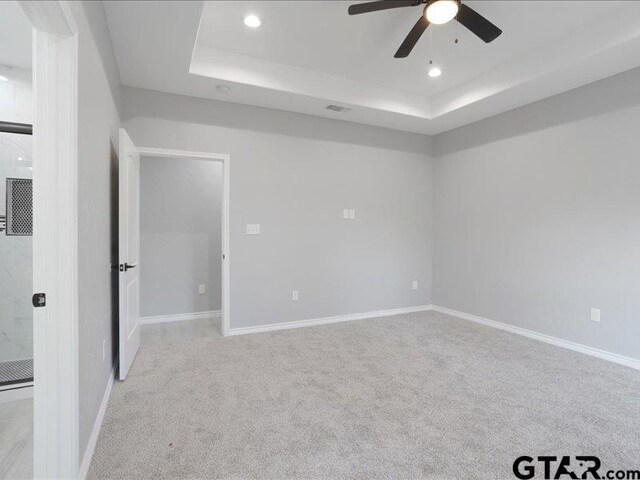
(55, 238)
(226, 164)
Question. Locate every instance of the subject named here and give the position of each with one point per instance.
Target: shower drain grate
(17, 371)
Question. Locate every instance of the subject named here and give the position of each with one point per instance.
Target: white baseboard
(16, 392)
(179, 317)
(326, 320)
(97, 425)
(594, 352)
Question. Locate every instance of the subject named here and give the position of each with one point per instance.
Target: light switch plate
(253, 229)
(294, 295)
(415, 284)
(345, 213)
(201, 289)
(352, 213)
(595, 314)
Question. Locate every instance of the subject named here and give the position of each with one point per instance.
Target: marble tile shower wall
(16, 255)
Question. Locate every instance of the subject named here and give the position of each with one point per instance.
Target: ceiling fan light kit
(435, 12)
(440, 12)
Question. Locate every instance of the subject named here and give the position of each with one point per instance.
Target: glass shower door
(16, 257)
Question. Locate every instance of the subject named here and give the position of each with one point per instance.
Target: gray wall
(536, 210)
(180, 235)
(293, 174)
(98, 123)
(537, 216)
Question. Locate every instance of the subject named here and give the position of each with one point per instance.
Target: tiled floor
(16, 439)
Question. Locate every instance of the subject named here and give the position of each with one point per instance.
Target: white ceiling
(15, 36)
(308, 54)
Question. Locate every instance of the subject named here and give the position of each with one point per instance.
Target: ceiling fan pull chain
(434, 52)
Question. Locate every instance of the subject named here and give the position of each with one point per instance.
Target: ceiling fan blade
(381, 5)
(478, 25)
(413, 37)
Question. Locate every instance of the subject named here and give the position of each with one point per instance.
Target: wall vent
(339, 108)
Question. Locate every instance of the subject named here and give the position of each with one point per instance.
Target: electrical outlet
(104, 350)
(201, 289)
(415, 284)
(345, 213)
(294, 295)
(352, 214)
(595, 314)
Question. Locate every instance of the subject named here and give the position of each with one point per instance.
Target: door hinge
(39, 299)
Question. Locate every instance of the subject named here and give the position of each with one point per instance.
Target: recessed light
(441, 11)
(3, 78)
(435, 72)
(252, 21)
(223, 88)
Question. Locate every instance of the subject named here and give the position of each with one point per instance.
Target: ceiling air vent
(338, 108)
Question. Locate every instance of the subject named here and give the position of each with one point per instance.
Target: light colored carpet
(413, 396)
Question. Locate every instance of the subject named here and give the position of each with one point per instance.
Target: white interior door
(129, 251)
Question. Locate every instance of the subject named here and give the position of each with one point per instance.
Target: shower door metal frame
(17, 128)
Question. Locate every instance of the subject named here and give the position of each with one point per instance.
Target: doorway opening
(16, 260)
(180, 248)
(184, 231)
(38, 86)
(16, 288)
(16, 244)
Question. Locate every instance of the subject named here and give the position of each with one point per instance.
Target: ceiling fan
(436, 12)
